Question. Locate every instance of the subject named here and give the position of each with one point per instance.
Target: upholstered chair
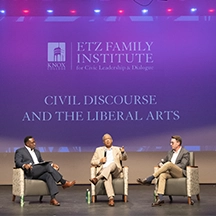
(120, 185)
(185, 186)
(27, 187)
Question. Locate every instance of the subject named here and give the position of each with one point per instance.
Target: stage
(139, 203)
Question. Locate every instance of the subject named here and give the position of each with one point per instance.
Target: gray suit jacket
(182, 160)
(22, 156)
(117, 155)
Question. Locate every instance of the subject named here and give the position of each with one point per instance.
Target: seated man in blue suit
(29, 159)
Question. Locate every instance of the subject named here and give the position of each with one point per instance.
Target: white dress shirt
(33, 155)
(109, 157)
(175, 155)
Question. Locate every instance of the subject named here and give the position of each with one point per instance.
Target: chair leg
(93, 198)
(198, 197)
(171, 199)
(125, 198)
(189, 201)
(13, 198)
(40, 199)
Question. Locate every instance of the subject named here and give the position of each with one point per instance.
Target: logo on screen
(56, 56)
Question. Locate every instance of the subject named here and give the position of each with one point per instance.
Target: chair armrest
(192, 180)
(18, 182)
(93, 172)
(125, 176)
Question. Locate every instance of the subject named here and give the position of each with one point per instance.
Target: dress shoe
(54, 202)
(157, 203)
(93, 181)
(111, 202)
(143, 181)
(68, 184)
(56, 167)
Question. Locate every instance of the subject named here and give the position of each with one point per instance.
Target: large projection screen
(67, 80)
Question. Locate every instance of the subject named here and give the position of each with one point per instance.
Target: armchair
(27, 187)
(120, 185)
(185, 186)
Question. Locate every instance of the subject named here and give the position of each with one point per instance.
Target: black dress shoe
(157, 203)
(143, 181)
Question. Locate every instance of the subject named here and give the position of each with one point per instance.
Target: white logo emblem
(56, 52)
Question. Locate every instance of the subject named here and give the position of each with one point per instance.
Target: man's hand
(27, 166)
(122, 149)
(160, 164)
(103, 160)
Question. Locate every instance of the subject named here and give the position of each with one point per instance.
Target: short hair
(178, 138)
(27, 138)
(105, 135)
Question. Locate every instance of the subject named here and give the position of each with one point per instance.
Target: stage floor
(139, 203)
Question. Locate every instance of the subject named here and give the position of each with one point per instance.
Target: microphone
(105, 153)
(162, 161)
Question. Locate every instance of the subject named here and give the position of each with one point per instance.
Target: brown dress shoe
(111, 202)
(56, 167)
(68, 184)
(54, 202)
(93, 181)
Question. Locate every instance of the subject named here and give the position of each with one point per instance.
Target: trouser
(168, 170)
(48, 174)
(110, 172)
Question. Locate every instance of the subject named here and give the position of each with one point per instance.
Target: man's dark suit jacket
(22, 156)
(182, 160)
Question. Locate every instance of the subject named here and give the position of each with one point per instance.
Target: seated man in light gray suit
(173, 166)
(108, 158)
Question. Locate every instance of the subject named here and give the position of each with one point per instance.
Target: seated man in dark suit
(29, 159)
(173, 166)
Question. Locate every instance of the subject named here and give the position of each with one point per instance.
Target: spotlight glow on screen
(26, 11)
(169, 10)
(144, 11)
(49, 11)
(97, 10)
(73, 11)
(193, 9)
(211, 10)
(120, 11)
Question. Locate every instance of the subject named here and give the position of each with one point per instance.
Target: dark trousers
(48, 174)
